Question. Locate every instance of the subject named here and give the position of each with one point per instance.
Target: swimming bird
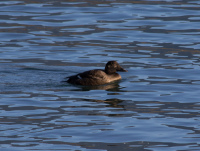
(98, 76)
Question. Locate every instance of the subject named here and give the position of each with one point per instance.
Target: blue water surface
(154, 107)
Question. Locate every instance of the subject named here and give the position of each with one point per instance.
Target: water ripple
(154, 107)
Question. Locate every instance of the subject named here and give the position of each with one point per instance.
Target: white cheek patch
(79, 77)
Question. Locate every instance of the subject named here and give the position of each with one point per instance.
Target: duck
(98, 76)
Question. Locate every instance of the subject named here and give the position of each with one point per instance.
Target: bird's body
(97, 76)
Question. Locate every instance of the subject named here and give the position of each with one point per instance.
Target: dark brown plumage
(97, 76)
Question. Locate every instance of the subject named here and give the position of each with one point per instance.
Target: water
(154, 107)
